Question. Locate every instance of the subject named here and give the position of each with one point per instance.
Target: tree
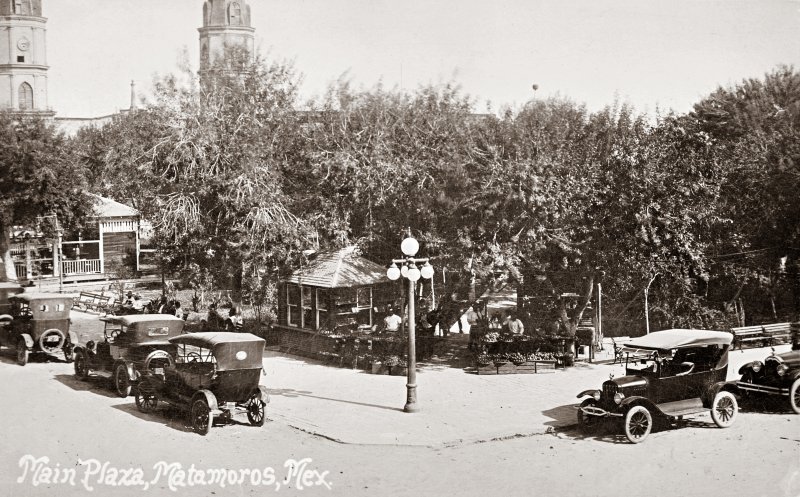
(39, 176)
(206, 164)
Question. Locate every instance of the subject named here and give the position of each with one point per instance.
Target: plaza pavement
(352, 406)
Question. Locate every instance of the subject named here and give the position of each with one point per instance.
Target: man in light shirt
(392, 322)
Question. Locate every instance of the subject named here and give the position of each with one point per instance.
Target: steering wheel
(115, 333)
(26, 312)
(193, 357)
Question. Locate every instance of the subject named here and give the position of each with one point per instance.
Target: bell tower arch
(23, 57)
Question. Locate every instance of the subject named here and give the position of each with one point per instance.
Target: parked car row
(679, 373)
(212, 375)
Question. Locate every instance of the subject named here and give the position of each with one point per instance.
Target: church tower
(225, 23)
(23, 57)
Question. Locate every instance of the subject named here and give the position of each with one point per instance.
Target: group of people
(135, 304)
(512, 324)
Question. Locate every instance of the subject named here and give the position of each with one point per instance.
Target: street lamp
(408, 269)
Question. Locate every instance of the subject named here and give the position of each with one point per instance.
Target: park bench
(89, 301)
(765, 334)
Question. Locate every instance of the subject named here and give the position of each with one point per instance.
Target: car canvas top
(130, 319)
(31, 296)
(678, 338)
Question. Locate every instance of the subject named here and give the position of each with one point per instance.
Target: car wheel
(587, 423)
(121, 381)
(22, 353)
(81, 365)
(794, 396)
(69, 352)
(201, 417)
(638, 424)
(146, 400)
(255, 410)
(724, 409)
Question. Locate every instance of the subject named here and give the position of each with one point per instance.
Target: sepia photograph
(421, 248)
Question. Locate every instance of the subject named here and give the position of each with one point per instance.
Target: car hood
(791, 358)
(630, 381)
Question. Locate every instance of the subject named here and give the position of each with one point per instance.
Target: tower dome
(226, 23)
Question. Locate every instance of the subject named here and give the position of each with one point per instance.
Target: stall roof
(341, 269)
(106, 207)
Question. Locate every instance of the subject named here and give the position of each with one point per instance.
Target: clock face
(23, 44)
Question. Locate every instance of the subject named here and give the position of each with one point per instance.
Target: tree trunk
(8, 273)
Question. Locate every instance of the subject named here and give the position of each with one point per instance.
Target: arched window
(22, 7)
(205, 14)
(234, 14)
(25, 97)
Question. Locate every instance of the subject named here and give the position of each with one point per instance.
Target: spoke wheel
(22, 353)
(121, 381)
(724, 409)
(201, 419)
(794, 396)
(255, 410)
(146, 401)
(81, 366)
(638, 424)
(587, 423)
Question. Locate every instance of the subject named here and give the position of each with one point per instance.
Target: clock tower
(226, 23)
(23, 57)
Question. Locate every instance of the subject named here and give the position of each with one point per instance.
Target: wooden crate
(545, 366)
(507, 368)
(526, 368)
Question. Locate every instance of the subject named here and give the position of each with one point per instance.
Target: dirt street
(96, 442)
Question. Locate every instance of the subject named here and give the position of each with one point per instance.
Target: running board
(752, 387)
(101, 374)
(683, 407)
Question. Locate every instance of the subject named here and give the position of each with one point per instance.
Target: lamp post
(409, 270)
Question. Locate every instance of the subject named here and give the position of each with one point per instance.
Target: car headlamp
(757, 366)
(782, 369)
(618, 397)
(596, 396)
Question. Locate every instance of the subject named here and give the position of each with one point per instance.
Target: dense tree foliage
(40, 175)
(696, 210)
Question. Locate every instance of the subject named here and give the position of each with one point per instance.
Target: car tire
(122, 383)
(588, 424)
(146, 400)
(81, 365)
(23, 354)
(201, 417)
(724, 409)
(638, 424)
(794, 396)
(255, 410)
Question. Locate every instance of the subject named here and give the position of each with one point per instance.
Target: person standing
(515, 326)
(392, 322)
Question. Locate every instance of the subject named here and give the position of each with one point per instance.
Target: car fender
(129, 367)
(6, 317)
(211, 399)
(589, 393)
(264, 393)
(28, 340)
(629, 402)
(720, 386)
(747, 367)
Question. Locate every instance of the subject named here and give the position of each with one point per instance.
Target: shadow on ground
(292, 393)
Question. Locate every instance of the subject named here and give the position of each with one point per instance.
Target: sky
(654, 54)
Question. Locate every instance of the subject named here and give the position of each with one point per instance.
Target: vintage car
(778, 374)
(132, 344)
(38, 322)
(215, 374)
(668, 375)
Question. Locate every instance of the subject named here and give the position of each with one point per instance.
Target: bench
(91, 301)
(765, 334)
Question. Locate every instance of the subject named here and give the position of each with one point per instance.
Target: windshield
(192, 353)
